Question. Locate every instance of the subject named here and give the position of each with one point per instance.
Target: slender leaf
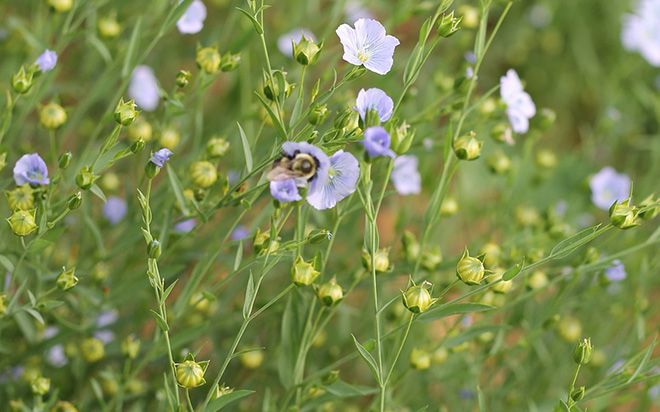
(247, 152)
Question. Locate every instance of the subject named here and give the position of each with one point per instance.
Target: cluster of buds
(189, 373)
(417, 298)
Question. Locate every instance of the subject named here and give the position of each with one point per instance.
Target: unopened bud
(183, 78)
(74, 201)
(276, 86)
(624, 215)
(306, 51)
(467, 147)
(52, 116)
(318, 114)
(583, 351)
(420, 359)
(190, 374)
(649, 207)
(417, 298)
(85, 178)
(217, 147)
(203, 174)
(449, 206)
(402, 138)
(431, 258)
(21, 82)
(108, 26)
(126, 112)
(65, 160)
(449, 24)
(22, 222)
(578, 393)
(546, 159)
(67, 279)
(140, 129)
(381, 260)
(230, 62)
(154, 249)
(470, 270)
(40, 386)
(411, 247)
(330, 292)
(61, 6)
(137, 146)
(303, 273)
(208, 59)
(130, 347)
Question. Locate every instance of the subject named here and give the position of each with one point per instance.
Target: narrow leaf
(132, 46)
(246, 149)
(224, 400)
(364, 353)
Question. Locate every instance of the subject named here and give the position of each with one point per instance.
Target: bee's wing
(279, 172)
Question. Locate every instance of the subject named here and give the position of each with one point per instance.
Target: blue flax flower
(161, 157)
(339, 182)
(377, 142)
(285, 190)
(193, 18)
(374, 99)
(31, 168)
(114, 209)
(405, 176)
(143, 88)
(368, 44)
(46, 61)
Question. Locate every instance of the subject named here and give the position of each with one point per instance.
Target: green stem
(398, 352)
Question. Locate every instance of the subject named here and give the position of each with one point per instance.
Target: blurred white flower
(641, 31)
(519, 104)
(193, 18)
(355, 10)
(144, 88)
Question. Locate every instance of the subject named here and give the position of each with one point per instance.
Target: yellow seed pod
(217, 147)
(52, 116)
(546, 159)
(503, 286)
(470, 270)
(109, 385)
(381, 260)
(440, 355)
(110, 181)
(527, 216)
(40, 385)
(330, 292)
(537, 280)
(61, 6)
(190, 374)
(417, 298)
(203, 174)
(470, 16)
(21, 198)
(22, 222)
(493, 254)
(449, 206)
(208, 59)
(569, 329)
(64, 406)
(303, 273)
(130, 347)
(108, 27)
(92, 350)
(420, 359)
(170, 138)
(252, 359)
(140, 129)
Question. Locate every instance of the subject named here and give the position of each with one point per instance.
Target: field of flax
(329, 205)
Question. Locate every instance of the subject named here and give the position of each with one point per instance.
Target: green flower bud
(470, 270)
(449, 206)
(583, 351)
(448, 25)
(569, 329)
(3, 304)
(74, 201)
(126, 112)
(467, 147)
(92, 350)
(499, 163)
(431, 258)
(151, 170)
(230, 62)
(130, 347)
(108, 26)
(52, 116)
(624, 215)
(67, 279)
(85, 178)
(420, 359)
(190, 374)
(402, 138)
(276, 86)
(183, 78)
(502, 133)
(203, 174)
(140, 129)
(578, 393)
(22, 222)
(330, 292)
(649, 208)
(222, 390)
(154, 249)
(537, 280)
(252, 359)
(546, 159)
(137, 146)
(40, 386)
(319, 235)
(303, 273)
(208, 59)
(21, 82)
(381, 260)
(21, 198)
(217, 147)
(306, 51)
(61, 6)
(65, 160)
(355, 73)
(411, 247)
(440, 355)
(417, 298)
(347, 120)
(318, 114)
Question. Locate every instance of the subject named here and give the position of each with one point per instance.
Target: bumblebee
(297, 166)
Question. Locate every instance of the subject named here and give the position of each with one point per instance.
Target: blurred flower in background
(405, 175)
(616, 272)
(47, 60)
(185, 226)
(144, 88)
(641, 31)
(608, 186)
(285, 42)
(192, 20)
(114, 209)
(519, 105)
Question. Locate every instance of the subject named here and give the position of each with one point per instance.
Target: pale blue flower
(641, 31)
(114, 209)
(285, 42)
(241, 232)
(56, 356)
(519, 104)
(608, 186)
(105, 336)
(285, 191)
(377, 142)
(405, 175)
(291, 149)
(46, 61)
(185, 226)
(107, 317)
(143, 88)
(374, 99)
(192, 20)
(31, 168)
(616, 272)
(51, 332)
(355, 10)
(161, 157)
(339, 182)
(368, 44)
